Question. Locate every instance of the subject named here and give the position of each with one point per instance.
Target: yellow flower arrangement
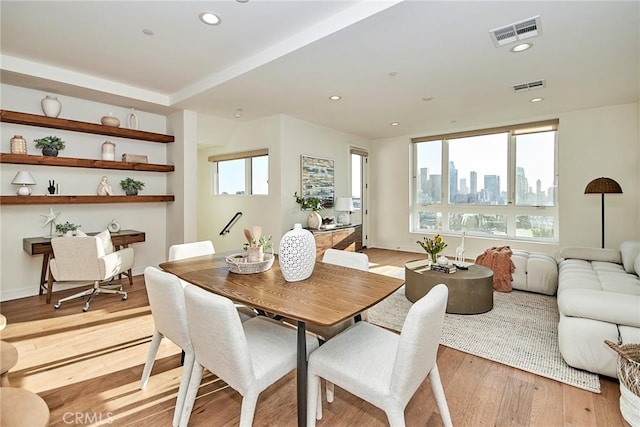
(433, 246)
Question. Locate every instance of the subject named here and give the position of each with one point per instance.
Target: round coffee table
(470, 291)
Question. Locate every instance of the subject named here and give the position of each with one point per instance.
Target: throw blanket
(498, 259)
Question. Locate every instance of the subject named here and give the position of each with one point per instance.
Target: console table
(42, 245)
(345, 237)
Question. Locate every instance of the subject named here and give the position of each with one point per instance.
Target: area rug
(521, 331)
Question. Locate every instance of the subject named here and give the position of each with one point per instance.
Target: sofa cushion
(629, 251)
(591, 254)
(636, 265)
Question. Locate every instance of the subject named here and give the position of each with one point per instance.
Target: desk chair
(382, 367)
(83, 259)
(166, 298)
(249, 356)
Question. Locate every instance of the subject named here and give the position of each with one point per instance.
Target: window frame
(248, 157)
(511, 210)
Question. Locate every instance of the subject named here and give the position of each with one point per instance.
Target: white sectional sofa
(598, 300)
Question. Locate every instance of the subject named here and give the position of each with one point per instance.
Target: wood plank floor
(87, 367)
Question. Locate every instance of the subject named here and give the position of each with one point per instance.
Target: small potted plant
(433, 246)
(67, 228)
(50, 145)
(314, 204)
(131, 186)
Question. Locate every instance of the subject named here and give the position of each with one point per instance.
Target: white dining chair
(382, 367)
(166, 299)
(249, 356)
(199, 248)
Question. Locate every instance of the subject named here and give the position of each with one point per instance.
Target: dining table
(331, 295)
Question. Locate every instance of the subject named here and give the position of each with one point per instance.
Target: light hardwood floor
(87, 367)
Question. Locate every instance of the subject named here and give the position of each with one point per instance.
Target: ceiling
(431, 66)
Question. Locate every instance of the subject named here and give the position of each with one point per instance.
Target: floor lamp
(603, 186)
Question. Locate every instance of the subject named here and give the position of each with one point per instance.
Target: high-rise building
(453, 181)
(473, 183)
(492, 188)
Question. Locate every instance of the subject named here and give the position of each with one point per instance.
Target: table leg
(302, 374)
(43, 272)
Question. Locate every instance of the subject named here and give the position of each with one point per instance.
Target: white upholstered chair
(382, 367)
(249, 356)
(88, 259)
(203, 247)
(166, 299)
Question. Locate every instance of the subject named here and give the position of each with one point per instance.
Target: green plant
(131, 184)
(432, 246)
(67, 226)
(49, 142)
(264, 241)
(310, 203)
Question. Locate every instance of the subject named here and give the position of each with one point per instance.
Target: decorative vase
(314, 220)
(51, 107)
(48, 151)
(110, 121)
(255, 254)
(18, 145)
(113, 226)
(297, 254)
(108, 150)
(443, 260)
(132, 119)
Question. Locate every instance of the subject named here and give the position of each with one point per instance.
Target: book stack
(449, 269)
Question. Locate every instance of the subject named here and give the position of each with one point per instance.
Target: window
(492, 182)
(241, 173)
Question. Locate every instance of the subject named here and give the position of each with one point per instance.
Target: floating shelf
(62, 200)
(26, 159)
(85, 127)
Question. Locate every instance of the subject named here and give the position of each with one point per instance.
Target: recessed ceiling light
(536, 99)
(393, 74)
(335, 97)
(237, 115)
(427, 98)
(210, 18)
(395, 124)
(147, 32)
(521, 47)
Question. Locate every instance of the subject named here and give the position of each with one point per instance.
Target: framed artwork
(318, 179)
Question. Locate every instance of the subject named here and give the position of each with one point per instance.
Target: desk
(331, 295)
(42, 245)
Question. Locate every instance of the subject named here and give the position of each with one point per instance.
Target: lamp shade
(344, 204)
(602, 185)
(23, 178)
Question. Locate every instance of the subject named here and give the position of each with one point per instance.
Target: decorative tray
(239, 264)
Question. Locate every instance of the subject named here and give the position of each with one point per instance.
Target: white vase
(108, 150)
(297, 254)
(132, 119)
(314, 220)
(51, 107)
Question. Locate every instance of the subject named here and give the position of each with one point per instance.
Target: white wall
(592, 143)
(287, 138)
(19, 272)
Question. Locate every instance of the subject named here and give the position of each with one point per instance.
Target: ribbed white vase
(297, 255)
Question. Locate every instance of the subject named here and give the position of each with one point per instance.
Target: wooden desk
(42, 245)
(331, 295)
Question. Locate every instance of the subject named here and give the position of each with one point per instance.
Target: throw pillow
(105, 237)
(629, 250)
(80, 233)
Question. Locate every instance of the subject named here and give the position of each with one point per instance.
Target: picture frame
(318, 179)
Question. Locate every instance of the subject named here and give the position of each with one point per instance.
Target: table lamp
(23, 178)
(603, 186)
(344, 205)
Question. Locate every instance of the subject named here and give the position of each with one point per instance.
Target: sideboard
(346, 238)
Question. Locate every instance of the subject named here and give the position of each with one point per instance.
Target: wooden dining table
(331, 295)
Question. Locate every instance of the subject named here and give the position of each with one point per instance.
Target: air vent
(536, 84)
(517, 31)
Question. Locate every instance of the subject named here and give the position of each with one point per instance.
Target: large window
(491, 182)
(240, 173)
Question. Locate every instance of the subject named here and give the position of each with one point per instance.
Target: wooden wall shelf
(26, 159)
(60, 200)
(77, 126)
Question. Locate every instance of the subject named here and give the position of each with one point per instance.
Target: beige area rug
(521, 331)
